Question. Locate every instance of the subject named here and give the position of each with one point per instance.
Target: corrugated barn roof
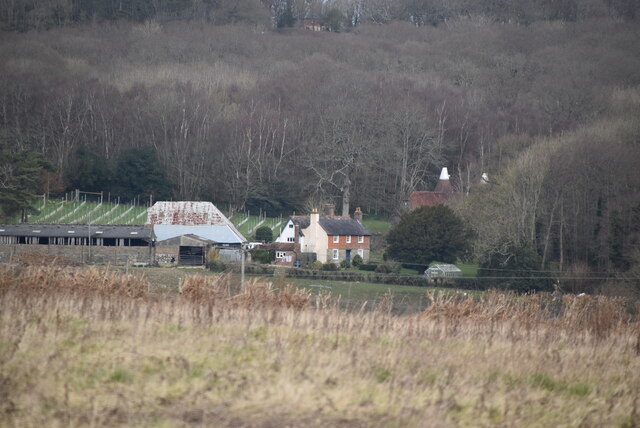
(80, 230)
(221, 234)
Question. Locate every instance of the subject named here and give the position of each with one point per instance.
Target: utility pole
(90, 234)
(242, 248)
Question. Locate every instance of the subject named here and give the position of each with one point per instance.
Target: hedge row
(380, 278)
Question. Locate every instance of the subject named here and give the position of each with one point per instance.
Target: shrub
(264, 234)
(214, 254)
(428, 233)
(330, 266)
(368, 267)
(216, 266)
(263, 256)
(344, 264)
(388, 267)
(317, 265)
(260, 269)
(357, 261)
(413, 266)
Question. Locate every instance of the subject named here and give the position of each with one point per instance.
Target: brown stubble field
(85, 347)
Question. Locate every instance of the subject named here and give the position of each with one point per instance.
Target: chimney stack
(314, 217)
(329, 210)
(296, 240)
(357, 214)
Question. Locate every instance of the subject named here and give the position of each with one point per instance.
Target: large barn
(189, 233)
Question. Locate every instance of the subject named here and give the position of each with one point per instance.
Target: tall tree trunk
(346, 195)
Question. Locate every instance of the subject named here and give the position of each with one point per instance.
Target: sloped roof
(78, 230)
(277, 246)
(444, 186)
(188, 213)
(185, 213)
(335, 225)
(421, 198)
(301, 220)
(187, 240)
(342, 226)
(221, 234)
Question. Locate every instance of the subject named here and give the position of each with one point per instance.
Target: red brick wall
(342, 244)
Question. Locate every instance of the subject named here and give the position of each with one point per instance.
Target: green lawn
(376, 225)
(352, 295)
(468, 270)
(408, 271)
(360, 295)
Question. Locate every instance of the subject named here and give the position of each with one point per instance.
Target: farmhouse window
(291, 239)
(280, 254)
(360, 239)
(361, 252)
(336, 254)
(336, 239)
(348, 239)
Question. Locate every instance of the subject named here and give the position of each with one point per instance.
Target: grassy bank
(349, 295)
(80, 347)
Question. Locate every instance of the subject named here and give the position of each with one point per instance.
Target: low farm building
(84, 243)
(176, 233)
(193, 245)
(285, 253)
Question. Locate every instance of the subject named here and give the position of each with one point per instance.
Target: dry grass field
(84, 347)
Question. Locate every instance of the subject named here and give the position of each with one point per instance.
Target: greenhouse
(443, 271)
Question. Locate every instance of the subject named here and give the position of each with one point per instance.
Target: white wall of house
(317, 239)
(287, 234)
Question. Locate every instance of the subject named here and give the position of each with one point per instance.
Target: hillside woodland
(235, 102)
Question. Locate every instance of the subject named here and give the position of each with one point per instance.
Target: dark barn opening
(191, 256)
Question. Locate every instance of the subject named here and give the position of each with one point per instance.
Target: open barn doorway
(191, 256)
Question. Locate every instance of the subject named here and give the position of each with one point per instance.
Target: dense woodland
(211, 100)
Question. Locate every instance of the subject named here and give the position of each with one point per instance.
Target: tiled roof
(342, 226)
(421, 198)
(188, 213)
(301, 220)
(185, 213)
(444, 186)
(334, 225)
(277, 246)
